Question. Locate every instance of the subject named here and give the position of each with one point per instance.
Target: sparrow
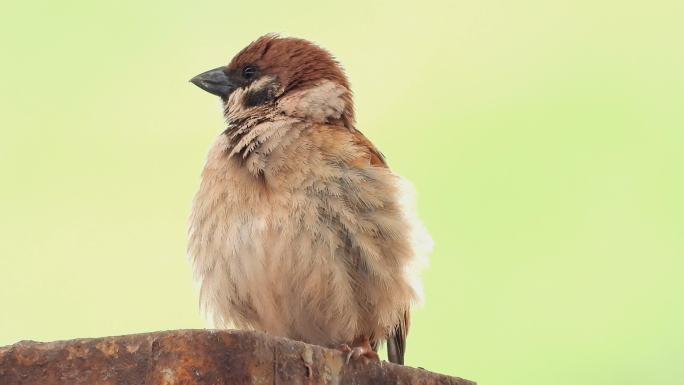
(299, 228)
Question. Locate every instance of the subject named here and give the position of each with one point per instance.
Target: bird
(299, 228)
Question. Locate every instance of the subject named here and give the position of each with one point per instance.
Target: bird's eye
(249, 72)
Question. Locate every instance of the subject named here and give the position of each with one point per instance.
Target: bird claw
(365, 352)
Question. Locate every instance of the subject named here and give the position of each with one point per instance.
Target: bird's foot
(364, 351)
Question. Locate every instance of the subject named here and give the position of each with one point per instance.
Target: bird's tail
(396, 343)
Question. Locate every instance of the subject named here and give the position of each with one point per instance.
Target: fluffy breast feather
(306, 236)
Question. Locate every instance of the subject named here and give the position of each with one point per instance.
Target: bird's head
(287, 75)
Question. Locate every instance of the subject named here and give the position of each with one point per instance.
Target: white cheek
(263, 82)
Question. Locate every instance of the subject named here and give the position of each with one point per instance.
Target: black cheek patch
(261, 96)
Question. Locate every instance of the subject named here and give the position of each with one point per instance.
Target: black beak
(215, 82)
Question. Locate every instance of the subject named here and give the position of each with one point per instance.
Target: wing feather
(396, 342)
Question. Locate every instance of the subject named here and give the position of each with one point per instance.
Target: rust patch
(108, 347)
(77, 351)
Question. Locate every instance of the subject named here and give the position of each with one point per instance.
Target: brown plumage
(299, 228)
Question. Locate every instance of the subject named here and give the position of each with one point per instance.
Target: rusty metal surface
(196, 357)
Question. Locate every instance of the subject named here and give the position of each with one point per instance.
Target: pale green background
(545, 140)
